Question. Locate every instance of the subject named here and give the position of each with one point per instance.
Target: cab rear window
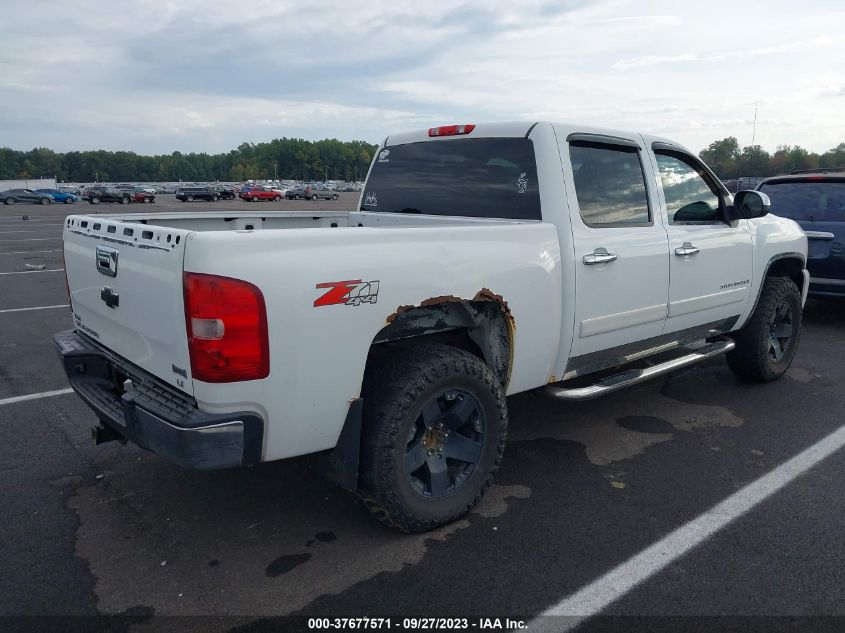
(819, 201)
(486, 177)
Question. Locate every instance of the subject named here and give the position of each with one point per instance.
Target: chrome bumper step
(633, 376)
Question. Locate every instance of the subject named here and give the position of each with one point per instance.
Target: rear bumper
(153, 415)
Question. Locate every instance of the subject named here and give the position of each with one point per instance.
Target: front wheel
(314, 197)
(335, 197)
(9, 201)
(255, 198)
(68, 200)
(214, 198)
(94, 200)
(124, 200)
(435, 425)
(45, 201)
(766, 345)
(277, 198)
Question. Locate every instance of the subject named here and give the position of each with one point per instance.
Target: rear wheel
(766, 345)
(435, 425)
(124, 200)
(314, 196)
(335, 197)
(68, 200)
(255, 198)
(189, 198)
(9, 201)
(214, 198)
(45, 200)
(94, 200)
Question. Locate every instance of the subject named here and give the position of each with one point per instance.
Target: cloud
(651, 60)
(205, 75)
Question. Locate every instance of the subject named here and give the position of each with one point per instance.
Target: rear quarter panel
(318, 354)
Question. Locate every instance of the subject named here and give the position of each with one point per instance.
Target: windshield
(820, 201)
(488, 177)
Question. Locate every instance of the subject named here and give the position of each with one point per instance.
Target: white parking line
(55, 250)
(32, 272)
(36, 396)
(599, 594)
(30, 231)
(34, 239)
(64, 305)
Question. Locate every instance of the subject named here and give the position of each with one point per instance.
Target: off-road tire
(751, 358)
(394, 393)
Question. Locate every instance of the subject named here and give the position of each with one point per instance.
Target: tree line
(729, 161)
(284, 158)
(298, 159)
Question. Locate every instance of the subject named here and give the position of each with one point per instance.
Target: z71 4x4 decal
(351, 293)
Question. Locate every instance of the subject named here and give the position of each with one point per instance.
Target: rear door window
(485, 177)
(609, 185)
(819, 201)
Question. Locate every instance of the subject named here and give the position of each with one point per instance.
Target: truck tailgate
(125, 282)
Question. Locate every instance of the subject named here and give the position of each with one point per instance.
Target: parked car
(60, 196)
(96, 195)
(816, 200)
(12, 196)
(140, 194)
(224, 192)
(213, 194)
(260, 193)
(295, 193)
(315, 192)
(515, 257)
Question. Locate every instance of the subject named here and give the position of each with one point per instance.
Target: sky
(155, 76)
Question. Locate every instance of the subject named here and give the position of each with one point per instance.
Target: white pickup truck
(482, 261)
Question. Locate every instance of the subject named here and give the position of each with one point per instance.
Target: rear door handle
(686, 249)
(599, 256)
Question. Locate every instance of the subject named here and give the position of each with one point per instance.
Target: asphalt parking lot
(583, 488)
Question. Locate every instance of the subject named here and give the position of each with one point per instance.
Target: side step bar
(633, 376)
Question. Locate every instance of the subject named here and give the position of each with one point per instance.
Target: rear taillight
(451, 130)
(227, 329)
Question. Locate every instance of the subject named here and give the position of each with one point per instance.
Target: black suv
(96, 195)
(213, 193)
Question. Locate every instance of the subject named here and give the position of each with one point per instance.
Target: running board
(633, 376)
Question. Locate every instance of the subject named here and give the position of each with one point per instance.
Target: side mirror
(750, 204)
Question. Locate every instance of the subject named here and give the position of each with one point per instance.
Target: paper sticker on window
(383, 156)
(371, 200)
(522, 183)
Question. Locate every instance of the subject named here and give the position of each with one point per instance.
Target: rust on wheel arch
(498, 346)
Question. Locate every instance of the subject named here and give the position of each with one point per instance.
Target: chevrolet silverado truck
(481, 261)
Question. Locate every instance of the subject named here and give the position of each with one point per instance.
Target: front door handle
(686, 249)
(599, 256)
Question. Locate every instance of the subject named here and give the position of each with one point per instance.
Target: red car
(139, 195)
(260, 193)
